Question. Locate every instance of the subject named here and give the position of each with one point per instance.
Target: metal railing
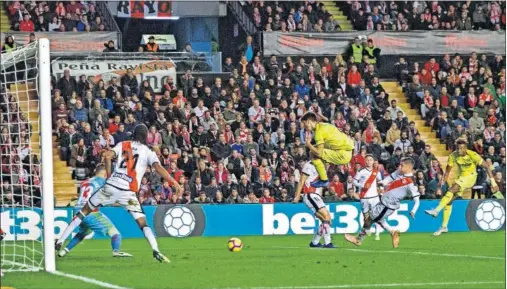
(109, 21)
(243, 18)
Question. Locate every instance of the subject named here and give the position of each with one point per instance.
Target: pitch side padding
(471, 210)
(159, 216)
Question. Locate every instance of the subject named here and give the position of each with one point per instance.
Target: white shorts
(110, 195)
(368, 203)
(314, 202)
(380, 212)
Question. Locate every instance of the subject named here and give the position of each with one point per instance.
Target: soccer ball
(234, 245)
(490, 216)
(179, 221)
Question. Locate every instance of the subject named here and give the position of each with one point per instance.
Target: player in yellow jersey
(331, 146)
(467, 162)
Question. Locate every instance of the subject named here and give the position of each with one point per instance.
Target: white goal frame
(46, 139)
(42, 82)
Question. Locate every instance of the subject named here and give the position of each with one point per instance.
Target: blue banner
(256, 219)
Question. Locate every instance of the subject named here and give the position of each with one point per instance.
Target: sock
(116, 242)
(321, 169)
(326, 232)
(362, 234)
(76, 221)
(76, 240)
(447, 215)
(385, 225)
(499, 195)
(148, 233)
(444, 201)
(377, 229)
(318, 235)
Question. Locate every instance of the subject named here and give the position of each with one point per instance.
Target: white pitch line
(457, 284)
(349, 249)
(429, 254)
(403, 252)
(88, 280)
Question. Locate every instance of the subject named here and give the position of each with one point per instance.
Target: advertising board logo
(179, 222)
(490, 215)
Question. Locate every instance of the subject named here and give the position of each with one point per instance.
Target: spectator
(41, 25)
(151, 46)
(9, 44)
(26, 25)
(110, 47)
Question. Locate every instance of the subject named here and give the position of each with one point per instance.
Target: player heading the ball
(331, 146)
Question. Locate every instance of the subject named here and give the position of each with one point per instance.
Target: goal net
(26, 205)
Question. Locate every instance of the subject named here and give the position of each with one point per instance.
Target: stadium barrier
(256, 219)
(391, 43)
(68, 41)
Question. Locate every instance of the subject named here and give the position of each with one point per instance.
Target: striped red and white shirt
(398, 187)
(132, 160)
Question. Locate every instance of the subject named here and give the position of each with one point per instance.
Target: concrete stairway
(338, 15)
(395, 92)
(429, 137)
(64, 185)
(5, 23)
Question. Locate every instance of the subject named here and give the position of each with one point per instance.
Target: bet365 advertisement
(272, 219)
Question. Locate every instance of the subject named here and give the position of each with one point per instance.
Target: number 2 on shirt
(128, 158)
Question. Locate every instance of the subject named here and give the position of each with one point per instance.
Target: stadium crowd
(426, 15)
(52, 16)
(312, 16)
(239, 140)
(289, 16)
(19, 165)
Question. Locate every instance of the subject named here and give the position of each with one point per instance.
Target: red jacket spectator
(221, 174)
(26, 25)
(444, 100)
(358, 159)
(266, 200)
(353, 78)
(179, 101)
(337, 186)
(425, 77)
(73, 6)
(432, 65)
(488, 98)
(113, 127)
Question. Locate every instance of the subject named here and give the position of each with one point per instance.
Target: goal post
(26, 159)
(48, 205)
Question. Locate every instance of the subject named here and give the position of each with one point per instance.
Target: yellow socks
(447, 215)
(444, 201)
(321, 169)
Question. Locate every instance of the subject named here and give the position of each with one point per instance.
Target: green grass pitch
(454, 260)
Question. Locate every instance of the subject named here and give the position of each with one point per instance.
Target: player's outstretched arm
(299, 187)
(108, 157)
(446, 176)
(415, 208)
(164, 174)
(494, 185)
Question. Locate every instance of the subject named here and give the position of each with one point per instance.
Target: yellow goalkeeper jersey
(332, 138)
(467, 165)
